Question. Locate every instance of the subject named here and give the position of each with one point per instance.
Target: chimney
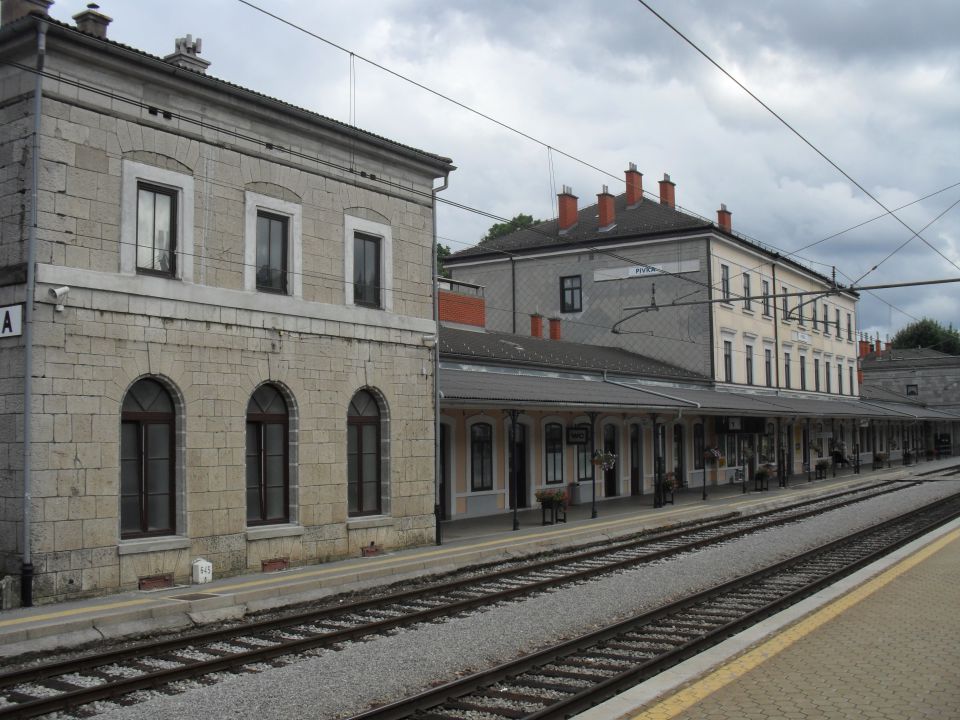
(554, 328)
(865, 348)
(187, 49)
(536, 325)
(92, 22)
(605, 209)
(567, 202)
(879, 347)
(13, 10)
(723, 218)
(634, 185)
(667, 192)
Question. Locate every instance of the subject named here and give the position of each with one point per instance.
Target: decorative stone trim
(268, 532)
(149, 545)
(372, 521)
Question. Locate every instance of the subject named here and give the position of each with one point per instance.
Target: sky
(875, 86)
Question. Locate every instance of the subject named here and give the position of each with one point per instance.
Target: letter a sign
(11, 321)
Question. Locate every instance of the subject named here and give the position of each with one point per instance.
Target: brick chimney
(536, 325)
(92, 22)
(567, 203)
(186, 51)
(13, 10)
(723, 218)
(878, 347)
(667, 192)
(554, 328)
(634, 185)
(865, 348)
(605, 209)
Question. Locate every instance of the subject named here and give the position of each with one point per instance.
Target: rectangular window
(826, 319)
(366, 270)
(765, 291)
(271, 253)
(786, 304)
(553, 451)
(584, 460)
(803, 372)
(571, 294)
(813, 315)
(816, 373)
(725, 281)
(156, 230)
(849, 327)
(826, 375)
(850, 379)
(747, 302)
(481, 457)
(913, 389)
(749, 351)
(837, 317)
(839, 379)
(768, 366)
(728, 361)
(786, 370)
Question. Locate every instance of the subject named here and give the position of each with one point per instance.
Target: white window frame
(132, 174)
(254, 203)
(353, 225)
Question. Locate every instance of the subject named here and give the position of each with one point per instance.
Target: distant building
(238, 364)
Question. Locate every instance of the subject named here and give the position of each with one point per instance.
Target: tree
(519, 222)
(928, 333)
(443, 252)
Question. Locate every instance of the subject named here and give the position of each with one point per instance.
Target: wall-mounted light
(60, 296)
(429, 341)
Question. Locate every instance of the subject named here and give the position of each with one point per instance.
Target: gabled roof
(518, 350)
(908, 357)
(648, 217)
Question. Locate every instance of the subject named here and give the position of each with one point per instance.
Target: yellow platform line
(74, 612)
(681, 701)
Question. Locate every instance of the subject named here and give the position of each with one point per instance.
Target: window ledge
(371, 521)
(747, 311)
(268, 532)
(149, 545)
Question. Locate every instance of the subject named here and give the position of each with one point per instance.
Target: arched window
(481, 457)
(268, 479)
(363, 455)
(553, 450)
(147, 461)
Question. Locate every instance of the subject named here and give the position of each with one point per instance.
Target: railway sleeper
(509, 710)
(515, 696)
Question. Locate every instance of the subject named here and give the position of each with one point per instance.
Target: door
(636, 460)
(610, 476)
(518, 461)
(679, 468)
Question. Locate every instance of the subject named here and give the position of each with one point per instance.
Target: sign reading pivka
(640, 271)
(11, 321)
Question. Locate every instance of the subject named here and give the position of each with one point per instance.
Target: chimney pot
(567, 203)
(667, 192)
(536, 325)
(92, 22)
(605, 209)
(186, 55)
(634, 185)
(724, 218)
(13, 10)
(554, 328)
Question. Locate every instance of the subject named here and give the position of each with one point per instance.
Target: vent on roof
(92, 22)
(186, 51)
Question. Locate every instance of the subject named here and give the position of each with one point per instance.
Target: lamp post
(593, 473)
(513, 465)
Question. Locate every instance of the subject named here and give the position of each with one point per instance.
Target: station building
(232, 327)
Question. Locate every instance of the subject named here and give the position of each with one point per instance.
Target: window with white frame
(481, 457)
(768, 365)
(765, 291)
(553, 452)
(816, 373)
(368, 263)
(273, 251)
(786, 303)
(786, 370)
(156, 221)
(803, 372)
(725, 281)
(727, 361)
(584, 458)
(749, 353)
(747, 303)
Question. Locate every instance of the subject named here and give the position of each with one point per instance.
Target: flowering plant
(604, 460)
(669, 481)
(550, 496)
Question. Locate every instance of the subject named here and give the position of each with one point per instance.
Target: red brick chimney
(667, 192)
(865, 347)
(878, 347)
(634, 185)
(723, 218)
(605, 208)
(554, 328)
(567, 202)
(536, 325)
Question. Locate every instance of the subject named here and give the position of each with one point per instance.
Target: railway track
(68, 685)
(572, 677)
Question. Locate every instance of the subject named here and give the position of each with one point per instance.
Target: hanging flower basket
(604, 460)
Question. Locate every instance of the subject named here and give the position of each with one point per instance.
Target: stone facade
(207, 335)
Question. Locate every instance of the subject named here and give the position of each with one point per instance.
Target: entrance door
(679, 469)
(636, 460)
(610, 476)
(518, 455)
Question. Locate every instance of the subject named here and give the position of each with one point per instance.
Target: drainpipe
(437, 497)
(26, 568)
(513, 293)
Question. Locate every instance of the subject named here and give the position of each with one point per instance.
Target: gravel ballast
(333, 683)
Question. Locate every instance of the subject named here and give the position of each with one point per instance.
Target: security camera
(60, 295)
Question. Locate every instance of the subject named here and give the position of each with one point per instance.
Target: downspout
(26, 569)
(513, 293)
(437, 499)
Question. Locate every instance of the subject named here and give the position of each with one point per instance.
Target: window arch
(364, 481)
(147, 461)
(268, 457)
(481, 456)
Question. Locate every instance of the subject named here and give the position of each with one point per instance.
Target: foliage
(604, 460)
(519, 222)
(551, 497)
(443, 252)
(928, 333)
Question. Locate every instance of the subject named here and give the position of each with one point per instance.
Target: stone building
(232, 320)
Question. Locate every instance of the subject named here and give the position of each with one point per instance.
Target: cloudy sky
(874, 85)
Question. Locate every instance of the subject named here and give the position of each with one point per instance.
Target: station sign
(11, 321)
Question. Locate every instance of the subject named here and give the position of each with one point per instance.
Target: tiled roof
(504, 348)
(233, 88)
(647, 217)
(908, 356)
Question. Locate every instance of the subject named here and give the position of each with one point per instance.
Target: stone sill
(149, 545)
(269, 532)
(374, 521)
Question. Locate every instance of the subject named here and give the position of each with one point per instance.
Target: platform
(465, 542)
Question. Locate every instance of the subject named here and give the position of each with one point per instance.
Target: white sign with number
(11, 321)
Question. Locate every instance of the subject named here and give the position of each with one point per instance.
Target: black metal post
(593, 472)
(833, 439)
(436, 519)
(856, 459)
(513, 465)
(657, 469)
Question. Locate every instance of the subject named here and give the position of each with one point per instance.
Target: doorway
(610, 476)
(518, 461)
(679, 468)
(636, 460)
